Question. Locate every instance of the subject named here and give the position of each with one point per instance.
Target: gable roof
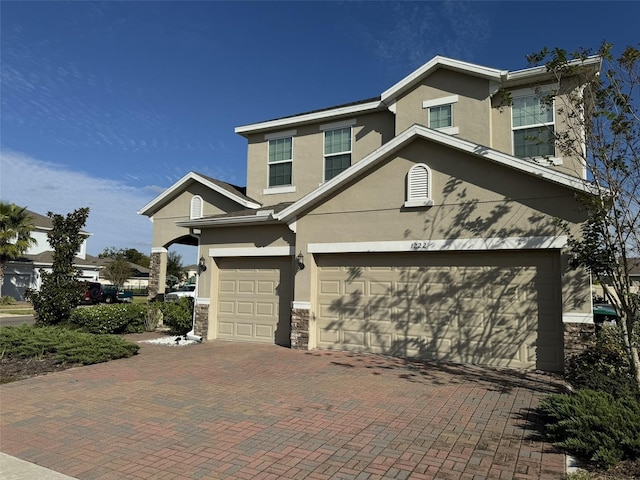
(42, 222)
(387, 98)
(237, 194)
(416, 132)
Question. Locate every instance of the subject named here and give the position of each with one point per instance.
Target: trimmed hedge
(178, 316)
(68, 346)
(594, 426)
(110, 319)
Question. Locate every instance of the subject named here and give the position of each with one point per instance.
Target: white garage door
(489, 308)
(254, 299)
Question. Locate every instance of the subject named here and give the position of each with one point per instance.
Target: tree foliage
(60, 291)
(175, 267)
(15, 234)
(130, 254)
(117, 271)
(602, 129)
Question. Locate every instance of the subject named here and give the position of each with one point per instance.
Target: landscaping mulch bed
(12, 369)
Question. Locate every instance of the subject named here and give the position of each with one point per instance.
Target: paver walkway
(234, 410)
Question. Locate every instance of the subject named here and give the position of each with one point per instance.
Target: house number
(419, 245)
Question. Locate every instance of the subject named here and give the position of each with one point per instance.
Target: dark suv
(93, 293)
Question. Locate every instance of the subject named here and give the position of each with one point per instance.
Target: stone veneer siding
(299, 329)
(202, 320)
(577, 338)
(154, 275)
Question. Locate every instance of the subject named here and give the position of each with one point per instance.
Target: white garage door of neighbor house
(491, 308)
(254, 299)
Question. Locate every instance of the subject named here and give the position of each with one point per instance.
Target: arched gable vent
(419, 186)
(196, 207)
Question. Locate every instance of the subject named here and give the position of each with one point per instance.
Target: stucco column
(158, 275)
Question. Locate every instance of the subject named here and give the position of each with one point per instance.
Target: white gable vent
(419, 186)
(196, 207)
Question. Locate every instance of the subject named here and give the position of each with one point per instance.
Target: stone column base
(577, 338)
(300, 328)
(202, 320)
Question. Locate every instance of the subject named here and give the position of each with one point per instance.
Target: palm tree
(15, 234)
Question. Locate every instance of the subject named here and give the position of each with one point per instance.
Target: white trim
(301, 305)
(276, 190)
(418, 131)
(418, 202)
(555, 161)
(449, 130)
(438, 102)
(337, 125)
(278, 135)
(577, 317)
(284, 251)
(309, 117)
(195, 177)
(159, 250)
(203, 301)
(459, 244)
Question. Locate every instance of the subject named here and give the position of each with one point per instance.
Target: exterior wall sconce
(201, 265)
(300, 260)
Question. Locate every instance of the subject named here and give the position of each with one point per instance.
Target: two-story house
(24, 273)
(420, 223)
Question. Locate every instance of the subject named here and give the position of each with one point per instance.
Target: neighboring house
(421, 223)
(24, 273)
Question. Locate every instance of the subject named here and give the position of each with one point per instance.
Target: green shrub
(68, 346)
(604, 367)
(594, 426)
(178, 316)
(7, 300)
(111, 319)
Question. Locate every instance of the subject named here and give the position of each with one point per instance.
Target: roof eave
(287, 122)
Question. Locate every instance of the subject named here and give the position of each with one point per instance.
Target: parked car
(112, 294)
(604, 312)
(93, 293)
(185, 291)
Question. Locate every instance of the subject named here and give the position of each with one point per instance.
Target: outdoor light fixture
(300, 259)
(201, 265)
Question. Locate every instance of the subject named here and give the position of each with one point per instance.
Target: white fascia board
(444, 139)
(452, 245)
(530, 73)
(433, 64)
(284, 251)
(577, 317)
(521, 164)
(212, 222)
(307, 118)
(195, 177)
(328, 187)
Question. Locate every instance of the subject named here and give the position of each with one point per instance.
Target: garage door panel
(254, 295)
(498, 308)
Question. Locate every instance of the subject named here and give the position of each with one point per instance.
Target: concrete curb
(13, 468)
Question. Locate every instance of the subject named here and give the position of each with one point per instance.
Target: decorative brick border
(300, 328)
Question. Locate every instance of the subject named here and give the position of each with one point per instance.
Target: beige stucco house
(421, 223)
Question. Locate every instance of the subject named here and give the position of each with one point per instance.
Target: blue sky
(105, 104)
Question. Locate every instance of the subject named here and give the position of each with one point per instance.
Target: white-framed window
(440, 114)
(280, 159)
(337, 151)
(195, 209)
(533, 124)
(419, 186)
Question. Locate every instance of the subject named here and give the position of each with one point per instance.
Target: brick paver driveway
(233, 410)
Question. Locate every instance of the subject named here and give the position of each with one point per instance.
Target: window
(440, 117)
(419, 186)
(196, 207)
(440, 114)
(533, 127)
(280, 161)
(337, 151)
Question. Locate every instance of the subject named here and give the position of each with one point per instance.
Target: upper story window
(419, 186)
(533, 126)
(337, 151)
(280, 161)
(440, 114)
(195, 210)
